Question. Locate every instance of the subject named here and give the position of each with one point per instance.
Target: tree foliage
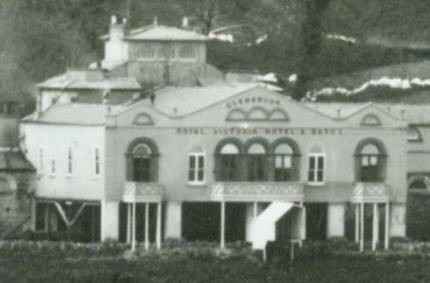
(41, 38)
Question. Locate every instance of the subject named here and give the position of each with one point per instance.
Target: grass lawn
(211, 269)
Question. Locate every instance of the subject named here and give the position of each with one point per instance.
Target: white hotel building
(160, 145)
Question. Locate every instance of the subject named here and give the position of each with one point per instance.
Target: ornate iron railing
(142, 192)
(370, 192)
(256, 191)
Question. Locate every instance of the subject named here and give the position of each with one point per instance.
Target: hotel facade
(161, 145)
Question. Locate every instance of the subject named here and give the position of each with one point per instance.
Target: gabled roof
(89, 79)
(413, 114)
(75, 114)
(162, 33)
(180, 101)
(14, 160)
(337, 110)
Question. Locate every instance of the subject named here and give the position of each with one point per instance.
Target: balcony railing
(256, 191)
(142, 192)
(370, 192)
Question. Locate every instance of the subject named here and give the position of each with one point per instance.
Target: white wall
(55, 140)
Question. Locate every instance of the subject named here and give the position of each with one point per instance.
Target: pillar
(251, 213)
(387, 226)
(222, 230)
(357, 223)
(397, 219)
(33, 213)
(109, 220)
(173, 219)
(336, 220)
(129, 219)
(375, 228)
(133, 227)
(146, 225)
(298, 231)
(158, 232)
(361, 227)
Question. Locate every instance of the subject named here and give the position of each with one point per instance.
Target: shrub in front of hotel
(45, 249)
(327, 247)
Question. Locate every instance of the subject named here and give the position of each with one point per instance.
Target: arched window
(256, 161)
(257, 114)
(414, 135)
(371, 120)
(370, 160)
(236, 115)
(418, 183)
(227, 157)
(278, 115)
(142, 161)
(316, 165)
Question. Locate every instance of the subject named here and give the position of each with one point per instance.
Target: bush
(327, 247)
(45, 249)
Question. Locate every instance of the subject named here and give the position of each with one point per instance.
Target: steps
(263, 227)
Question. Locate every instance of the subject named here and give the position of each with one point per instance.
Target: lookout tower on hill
(153, 43)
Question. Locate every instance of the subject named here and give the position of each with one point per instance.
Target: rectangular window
(53, 169)
(147, 51)
(69, 161)
(283, 168)
(228, 167)
(187, 52)
(96, 162)
(256, 168)
(196, 168)
(166, 52)
(316, 169)
(142, 169)
(41, 160)
(369, 169)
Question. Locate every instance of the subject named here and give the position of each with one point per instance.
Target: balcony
(142, 192)
(370, 192)
(256, 191)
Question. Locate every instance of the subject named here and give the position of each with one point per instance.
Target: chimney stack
(113, 20)
(117, 28)
(185, 22)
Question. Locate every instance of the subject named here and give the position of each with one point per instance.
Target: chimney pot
(185, 22)
(113, 20)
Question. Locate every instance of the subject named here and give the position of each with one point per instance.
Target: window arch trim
(255, 110)
(375, 120)
(418, 136)
(292, 143)
(232, 113)
(142, 140)
(257, 140)
(238, 143)
(373, 141)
